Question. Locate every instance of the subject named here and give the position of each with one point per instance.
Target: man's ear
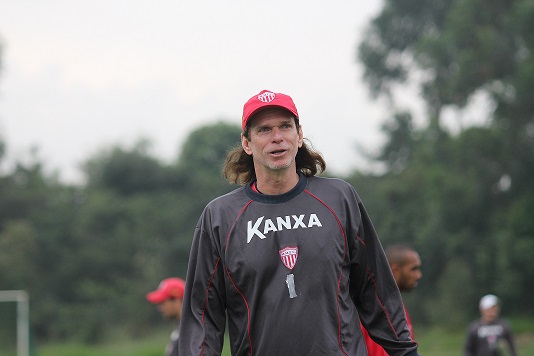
(395, 268)
(246, 145)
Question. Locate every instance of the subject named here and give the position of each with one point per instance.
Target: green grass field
(435, 342)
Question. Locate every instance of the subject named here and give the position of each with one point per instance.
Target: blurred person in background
(405, 265)
(487, 335)
(168, 298)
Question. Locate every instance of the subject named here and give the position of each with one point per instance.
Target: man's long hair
(239, 166)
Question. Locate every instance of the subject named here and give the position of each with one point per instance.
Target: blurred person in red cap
(487, 336)
(289, 261)
(168, 298)
(405, 265)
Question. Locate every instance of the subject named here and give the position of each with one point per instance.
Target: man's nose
(277, 134)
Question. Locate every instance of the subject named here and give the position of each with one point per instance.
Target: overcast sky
(79, 76)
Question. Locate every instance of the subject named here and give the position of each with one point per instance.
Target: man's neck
(277, 184)
(488, 320)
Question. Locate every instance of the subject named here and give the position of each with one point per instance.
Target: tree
(201, 161)
(204, 151)
(90, 253)
(128, 172)
(460, 198)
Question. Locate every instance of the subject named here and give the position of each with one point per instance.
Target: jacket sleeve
(204, 306)
(376, 294)
(509, 338)
(470, 341)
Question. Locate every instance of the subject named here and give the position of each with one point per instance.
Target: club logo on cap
(266, 97)
(289, 256)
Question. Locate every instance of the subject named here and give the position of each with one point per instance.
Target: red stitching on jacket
(206, 300)
(380, 302)
(248, 309)
(233, 224)
(231, 279)
(340, 272)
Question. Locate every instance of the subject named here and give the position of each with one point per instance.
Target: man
(405, 265)
(168, 297)
(487, 335)
(290, 261)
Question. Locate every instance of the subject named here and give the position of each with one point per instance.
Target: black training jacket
(291, 274)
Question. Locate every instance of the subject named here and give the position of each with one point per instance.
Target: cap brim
(268, 106)
(156, 297)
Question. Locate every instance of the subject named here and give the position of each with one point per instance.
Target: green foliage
(451, 294)
(204, 152)
(128, 172)
(397, 151)
(452, 50)
(465, 200)
(393, 37)
(88, 255)
(452, 203)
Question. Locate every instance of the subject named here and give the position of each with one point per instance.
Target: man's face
(274, 141)
(408, 274)
(490, 314)
(171, 308)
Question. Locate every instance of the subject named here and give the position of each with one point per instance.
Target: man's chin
(280, 166)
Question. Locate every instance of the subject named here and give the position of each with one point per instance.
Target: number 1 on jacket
(290, 281)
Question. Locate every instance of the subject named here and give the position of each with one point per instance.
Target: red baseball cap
(265, 99)
(168, 288)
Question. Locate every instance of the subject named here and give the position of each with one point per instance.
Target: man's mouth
(277, 152)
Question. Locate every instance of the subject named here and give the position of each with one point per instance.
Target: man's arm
(470, 342)
(510, 339)
(377, 296)
(204, 307)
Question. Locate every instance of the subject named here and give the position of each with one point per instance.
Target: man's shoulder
(235, 199)
(504, 322)
(330, 185)
(234, 195)
(474, 325)
(329, 182)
